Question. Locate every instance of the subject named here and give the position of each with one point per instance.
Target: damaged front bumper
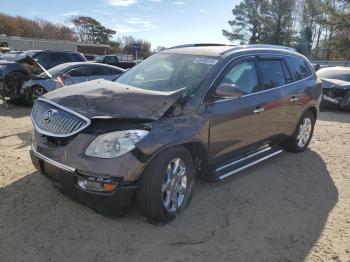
(65, 179)
(3, 89)
(336, 97)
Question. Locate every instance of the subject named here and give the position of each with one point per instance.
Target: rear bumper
(64, 179)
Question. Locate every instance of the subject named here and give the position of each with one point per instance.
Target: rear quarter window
(301, 67)
(80, 71)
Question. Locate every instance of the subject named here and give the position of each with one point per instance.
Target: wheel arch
(313, 110)
(196, 148)
(38, 85)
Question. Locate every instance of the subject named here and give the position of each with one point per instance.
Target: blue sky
(162, 22)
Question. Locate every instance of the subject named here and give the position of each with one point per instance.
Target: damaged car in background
(211, 110)
(65, 75)
(16, 67)
(336, 87)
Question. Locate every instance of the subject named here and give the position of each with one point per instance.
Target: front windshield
(169, 72)
(334, 74)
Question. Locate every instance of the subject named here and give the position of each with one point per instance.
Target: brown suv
(195, 109)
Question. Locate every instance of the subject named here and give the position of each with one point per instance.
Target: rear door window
(80, 71)
(273, 74)
(301, 67)
(100, 71)
(287, 73)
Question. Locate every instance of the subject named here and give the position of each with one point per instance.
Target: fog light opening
(96, 184)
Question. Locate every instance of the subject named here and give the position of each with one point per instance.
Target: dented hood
(106, 99)
(32, 66)
(335, 83)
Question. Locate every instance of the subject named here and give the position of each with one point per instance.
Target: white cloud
(203, 11)
(178, 3)
(137, 21)
(135, 24)
(72, 13)
(155, 0)
(121, 2)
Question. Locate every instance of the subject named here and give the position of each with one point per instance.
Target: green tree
(280, 22)
(263, 21)
(247, 25)
(89, 29)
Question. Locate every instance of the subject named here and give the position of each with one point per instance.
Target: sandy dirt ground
(295, 207)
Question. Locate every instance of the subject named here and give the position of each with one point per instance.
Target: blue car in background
(67, 74)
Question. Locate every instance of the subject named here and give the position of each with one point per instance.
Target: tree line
(319, 29)
(34, 28)
(85, 29)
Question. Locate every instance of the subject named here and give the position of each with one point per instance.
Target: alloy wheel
(37, 92)
(305, 130)
(174, 185)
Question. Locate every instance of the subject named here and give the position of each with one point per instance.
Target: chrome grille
(54, 120)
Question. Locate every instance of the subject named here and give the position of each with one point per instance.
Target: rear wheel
(301, 138)
(166, 186)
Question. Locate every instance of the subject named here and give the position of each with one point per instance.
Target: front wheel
(166, 186)
(301, 138)
(34, 94)
(346, 104)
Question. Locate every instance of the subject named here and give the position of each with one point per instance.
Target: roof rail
(198, 45)
(259, 46)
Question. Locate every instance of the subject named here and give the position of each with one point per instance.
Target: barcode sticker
(204, 60)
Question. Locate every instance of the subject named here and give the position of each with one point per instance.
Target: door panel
(259, 117)
(237, 123)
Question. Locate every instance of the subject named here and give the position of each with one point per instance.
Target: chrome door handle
(259, 110)
(294, 99)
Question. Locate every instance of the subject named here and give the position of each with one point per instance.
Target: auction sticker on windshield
(204, 60)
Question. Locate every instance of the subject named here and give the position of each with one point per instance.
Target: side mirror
(228, 91)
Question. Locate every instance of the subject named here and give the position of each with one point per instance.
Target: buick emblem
(48, 115)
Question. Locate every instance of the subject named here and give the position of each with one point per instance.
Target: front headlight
(115, 144)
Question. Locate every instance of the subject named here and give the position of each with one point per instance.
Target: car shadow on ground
(25, 138)
(14, 111)
(275, 211)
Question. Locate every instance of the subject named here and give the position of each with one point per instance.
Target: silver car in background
(67, 74)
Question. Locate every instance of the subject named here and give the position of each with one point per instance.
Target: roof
(221, 50)
(49, 51)
(335, 68)
(74, 64)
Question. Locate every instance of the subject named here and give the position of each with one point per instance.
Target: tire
(346, 104)
(154, 196)
(33, 94)
(307, 122)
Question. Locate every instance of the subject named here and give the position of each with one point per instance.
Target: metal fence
(333, 63)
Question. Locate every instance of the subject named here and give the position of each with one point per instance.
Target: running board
(245, 162)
